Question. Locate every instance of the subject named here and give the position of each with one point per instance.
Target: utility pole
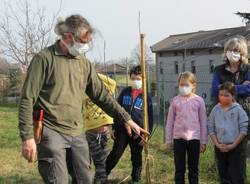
(104, 52)
(148, 78)
(127, 71)
(114, 66)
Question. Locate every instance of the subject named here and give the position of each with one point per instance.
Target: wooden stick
(145, 107)
(144, 84)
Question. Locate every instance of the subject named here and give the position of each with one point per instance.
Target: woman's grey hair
(75, 24)
(238, 43)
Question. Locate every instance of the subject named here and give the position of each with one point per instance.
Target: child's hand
(203, 148)
(169, 146)
(221, 147)
(229, 147)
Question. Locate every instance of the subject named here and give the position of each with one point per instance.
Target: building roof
(199, 40)
(111, 69)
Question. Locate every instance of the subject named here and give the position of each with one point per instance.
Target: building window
(176, 67)
(184, 67)
(193, 67)
(211, 66)
(161, 68)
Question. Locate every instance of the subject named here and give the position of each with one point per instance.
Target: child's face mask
(185, 90)
(225, 98)
(136, 84)
(225, 101)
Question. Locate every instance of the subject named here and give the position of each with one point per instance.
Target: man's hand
(29, 150)
(136, 128)
(203, 148)
(129, 131)
(142, 142)
(169, 146)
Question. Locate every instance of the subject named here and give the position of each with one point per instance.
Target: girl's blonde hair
(238, 43)
(188, 76)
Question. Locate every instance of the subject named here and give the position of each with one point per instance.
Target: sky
(117, 20)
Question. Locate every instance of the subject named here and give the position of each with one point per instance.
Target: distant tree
(24, 30)
(136, 55)
(16, 78)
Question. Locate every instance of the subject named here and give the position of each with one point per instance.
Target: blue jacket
(135, 108)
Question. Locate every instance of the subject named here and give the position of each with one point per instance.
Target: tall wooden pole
(144, 83)
(145, 107)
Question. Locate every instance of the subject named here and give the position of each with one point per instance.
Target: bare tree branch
(136, 55)
(25, 30)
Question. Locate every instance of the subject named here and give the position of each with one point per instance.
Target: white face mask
(136, 84)
(233, 57)
(77, 48)
(185, 90)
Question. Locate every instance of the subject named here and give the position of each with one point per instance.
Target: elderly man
(56, 80)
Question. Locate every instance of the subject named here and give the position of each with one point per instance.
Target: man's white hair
(75, 24)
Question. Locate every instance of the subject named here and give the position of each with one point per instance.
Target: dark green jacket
(56, 83)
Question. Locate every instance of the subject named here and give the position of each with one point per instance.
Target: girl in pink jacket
(186, 130)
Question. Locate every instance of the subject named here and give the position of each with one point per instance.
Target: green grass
(14, 169)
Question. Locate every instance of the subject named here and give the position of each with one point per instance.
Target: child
(131, 99)
(227, 127)
(186, 130)
(97, 132)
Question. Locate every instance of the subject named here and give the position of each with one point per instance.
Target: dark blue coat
(135, 108)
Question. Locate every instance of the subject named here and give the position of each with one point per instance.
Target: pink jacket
(187, 119)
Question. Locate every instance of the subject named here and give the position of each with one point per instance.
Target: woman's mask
(233, 57)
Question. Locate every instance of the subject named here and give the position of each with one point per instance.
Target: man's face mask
(233, 56)
(77, 48)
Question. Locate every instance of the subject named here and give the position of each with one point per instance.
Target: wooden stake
(144, 83)
(145, 107)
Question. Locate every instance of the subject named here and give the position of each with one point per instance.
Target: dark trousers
(231, 165)
(99, 152)
(120, 143)
(191, 150)
(59, 154)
